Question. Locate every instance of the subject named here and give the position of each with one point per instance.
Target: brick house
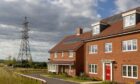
(68, 55)
(113, 51)
(109, 52)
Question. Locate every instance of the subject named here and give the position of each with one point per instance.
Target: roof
(62, 62)
(71, 42)
(115, 28)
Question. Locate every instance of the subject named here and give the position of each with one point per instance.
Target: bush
(21, 65)
(95, 79)
(40, 65)
(65, 75)
(83, 77)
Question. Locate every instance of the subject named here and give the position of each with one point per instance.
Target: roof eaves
(113, 35)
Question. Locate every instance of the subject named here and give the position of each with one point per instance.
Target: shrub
(83, 77)
(65, 75)
(95, 79)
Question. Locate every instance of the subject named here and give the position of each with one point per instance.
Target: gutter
(110, 36)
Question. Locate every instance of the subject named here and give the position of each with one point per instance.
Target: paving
(52, 80)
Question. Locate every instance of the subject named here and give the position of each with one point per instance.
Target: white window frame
(132, 76)
(55, 55)
(93, 70)
(93, 49)
(62, 54)
(127, 22)
(96, 29)
(108, 46)
(129, 44)
(52, 67)
(71, 54)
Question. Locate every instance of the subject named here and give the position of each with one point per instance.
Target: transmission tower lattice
(24, 52)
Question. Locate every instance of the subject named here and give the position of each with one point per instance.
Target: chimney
(79, 31)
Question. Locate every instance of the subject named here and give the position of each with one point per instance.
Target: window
(129, 20)
(96, 29)
(62, 54)
(129, 45)
(130, 71)
(124, 71)
(52, 67)
(93, 49)
(55, 55)
(93, 68)
(108, 47)
(71, 54)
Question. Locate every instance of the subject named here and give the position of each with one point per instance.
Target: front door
(107, 71)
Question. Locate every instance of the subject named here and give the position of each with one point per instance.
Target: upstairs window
(96, 29)
(129, 45)
(55, 55)
(129, 20)
(62, 54)
(93, 49)
(71, 54)
(108, 47)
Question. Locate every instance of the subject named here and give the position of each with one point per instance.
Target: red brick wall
(80, 60)
(59, 56)
(131, 58)
(65, 58)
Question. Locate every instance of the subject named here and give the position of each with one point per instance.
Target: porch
(60, 67)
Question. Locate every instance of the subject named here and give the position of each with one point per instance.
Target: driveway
(52, 80)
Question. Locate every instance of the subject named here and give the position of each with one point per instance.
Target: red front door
(107, 71)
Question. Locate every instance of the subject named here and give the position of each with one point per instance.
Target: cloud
(123, 5)
(50, 21)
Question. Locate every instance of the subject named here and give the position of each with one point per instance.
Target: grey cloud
(50, 21)
(123, 5)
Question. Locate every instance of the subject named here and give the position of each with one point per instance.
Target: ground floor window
(52, 67)
(130, 71)
(93, 68)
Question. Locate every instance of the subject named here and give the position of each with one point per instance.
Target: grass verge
(8, 77)
(68, 78)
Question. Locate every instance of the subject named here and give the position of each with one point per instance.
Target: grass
(78, 79)
(8, 77)
(30, 70)
(51, 75)
(68, 78)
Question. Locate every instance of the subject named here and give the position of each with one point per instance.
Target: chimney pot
(79, 31)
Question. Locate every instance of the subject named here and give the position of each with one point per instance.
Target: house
(113, 51)
(68, 55)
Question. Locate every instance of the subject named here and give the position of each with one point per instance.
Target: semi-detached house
(68, 55)
(109, 52)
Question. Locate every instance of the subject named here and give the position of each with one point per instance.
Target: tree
(9, 61)
(14, 61)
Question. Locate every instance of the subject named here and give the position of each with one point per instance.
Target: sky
(50, 21)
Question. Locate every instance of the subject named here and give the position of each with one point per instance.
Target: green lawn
(65, 77)
(30, 70)
(8, 77)
(79, 79)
